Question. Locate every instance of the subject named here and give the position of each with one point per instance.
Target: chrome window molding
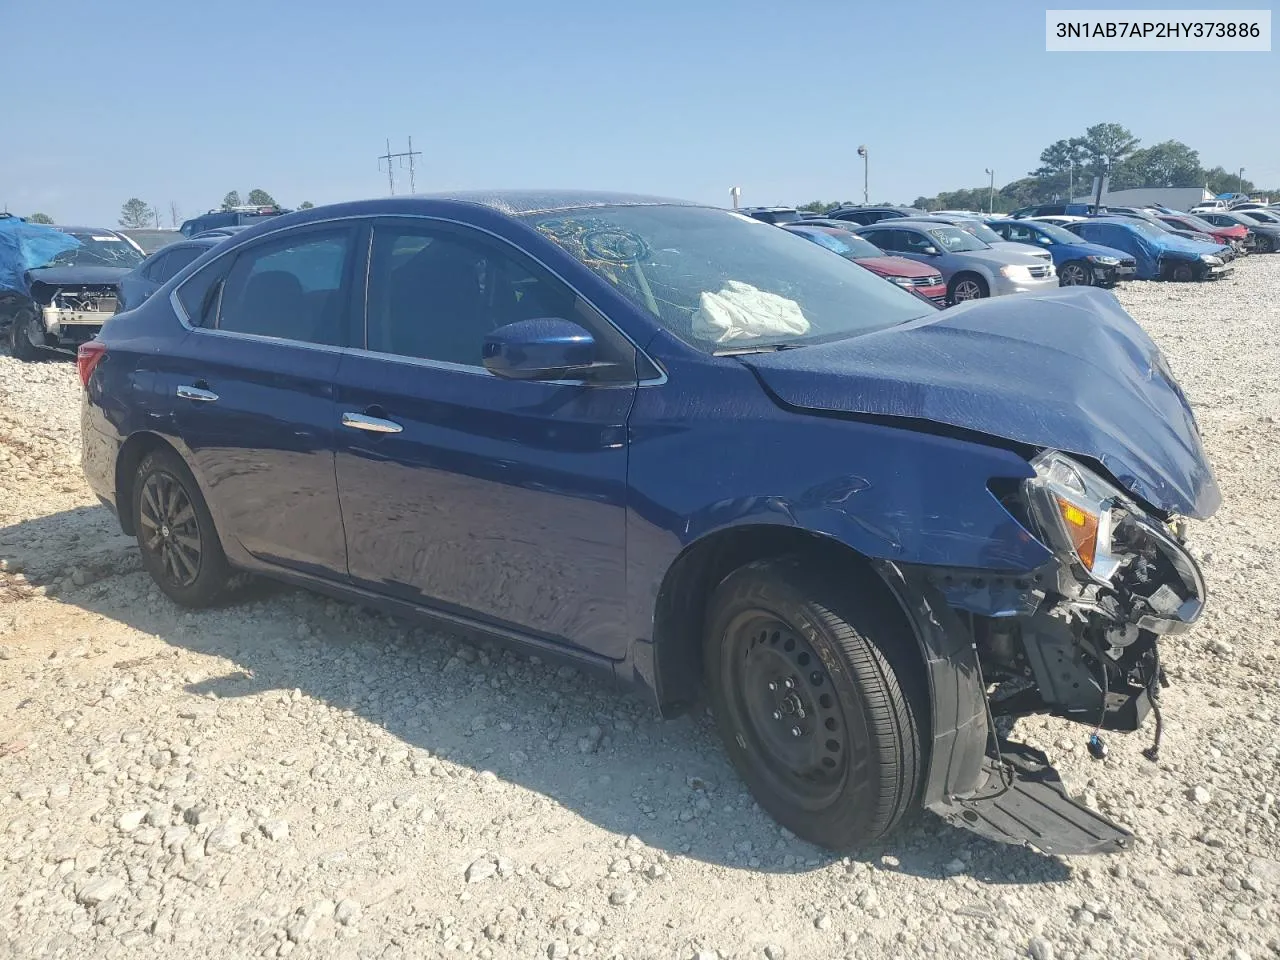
(371, 219)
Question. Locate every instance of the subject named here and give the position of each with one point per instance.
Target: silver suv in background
(971, 268)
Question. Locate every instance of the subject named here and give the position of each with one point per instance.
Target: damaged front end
(72, 314)
(1077, 638)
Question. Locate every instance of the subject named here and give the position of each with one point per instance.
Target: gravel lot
(294, 775)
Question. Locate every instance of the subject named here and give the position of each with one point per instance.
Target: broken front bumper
(1036, 642)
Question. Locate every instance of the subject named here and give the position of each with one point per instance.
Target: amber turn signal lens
(1082, 527)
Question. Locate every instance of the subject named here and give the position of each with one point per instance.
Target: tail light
(87, 358)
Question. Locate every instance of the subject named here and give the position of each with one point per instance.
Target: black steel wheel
(1264, 244)
(1073, 273)
(180, 547)
(816, 696)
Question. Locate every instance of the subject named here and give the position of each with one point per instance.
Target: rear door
(501, 500)
(254, 392)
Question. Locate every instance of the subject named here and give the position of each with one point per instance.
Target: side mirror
(1045, 241)
(547, 348)
(929, 251)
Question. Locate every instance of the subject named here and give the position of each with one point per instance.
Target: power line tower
(389, 157)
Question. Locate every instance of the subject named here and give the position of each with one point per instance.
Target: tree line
(1067, 168)
(136, 213)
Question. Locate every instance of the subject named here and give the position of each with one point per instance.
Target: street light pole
(734, 194)
(866, 162)
(991, 199)
(1240, 181)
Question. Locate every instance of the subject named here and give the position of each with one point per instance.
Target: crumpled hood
(71, 276)
(1068, 370)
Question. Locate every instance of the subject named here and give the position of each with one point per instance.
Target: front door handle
(360, 421)
(199, 394)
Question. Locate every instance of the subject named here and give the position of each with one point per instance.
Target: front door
(254, 394)
(499, 499)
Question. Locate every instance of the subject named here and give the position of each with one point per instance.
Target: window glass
(174, 262)
(200, 292)
(155, 269)
(435, 294)
(884, 239)
(291, 288)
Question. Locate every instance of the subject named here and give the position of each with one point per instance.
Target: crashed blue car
(1078, 262)
(697, 455)
(1158, 254)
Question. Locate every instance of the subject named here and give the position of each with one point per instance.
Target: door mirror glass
(546, 348)
(929, 251)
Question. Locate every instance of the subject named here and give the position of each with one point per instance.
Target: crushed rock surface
(289, 774)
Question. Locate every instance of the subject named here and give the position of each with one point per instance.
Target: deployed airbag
(740, 311)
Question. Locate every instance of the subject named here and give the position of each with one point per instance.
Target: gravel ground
(294, 775)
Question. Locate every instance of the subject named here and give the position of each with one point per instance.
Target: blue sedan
(1078, 262)
(690, 452)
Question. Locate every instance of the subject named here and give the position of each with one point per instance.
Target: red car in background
(919, 279)
(1234, 236)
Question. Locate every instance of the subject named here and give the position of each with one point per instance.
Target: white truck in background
(1175, 198)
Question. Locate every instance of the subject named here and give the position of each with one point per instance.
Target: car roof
(519, 202)
(69, 228)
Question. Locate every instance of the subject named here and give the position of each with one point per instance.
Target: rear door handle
(187, 392)
(360, 421)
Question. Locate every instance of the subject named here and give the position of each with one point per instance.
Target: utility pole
(866, 162)
(1240, 181)
(734, 194)
(991, 199)
(389, 157)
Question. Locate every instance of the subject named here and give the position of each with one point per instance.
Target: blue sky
(155, 100)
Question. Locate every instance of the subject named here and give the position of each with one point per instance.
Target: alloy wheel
(1072, 275)
(967, 290)
(790, 709)
(169, 528)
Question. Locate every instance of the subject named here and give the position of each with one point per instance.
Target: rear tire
(967, 286)
(20, 339)
(1182, 273)
(1264, 245)
(816, 696)
(1073, 273)
(175, 531)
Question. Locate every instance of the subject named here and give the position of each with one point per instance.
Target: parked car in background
(774, 215)
(218, 232)
(1235, 235)
(696, 456)
(866, 214)
(159, 268)
(1224, 250)
(241, 216)
(1077, 262)
(984, 233)
(972, 269)
(70, 297)
(1054, 210)
(1209, 206)
(149, 241)
(1158, 254)
(1265, 236)
(1264, 225)
(919, 278)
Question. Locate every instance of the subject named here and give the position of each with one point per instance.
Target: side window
(173, 262)
(1018, 234)
(881, 238)
(915, 242)
(156, 268)
(292, 288)
(436, 293)
(1052, 210)
(199, 294)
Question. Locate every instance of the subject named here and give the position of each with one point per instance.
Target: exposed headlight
(1211, 260)
(901, 281)
(1105, 261)
(1016, 272)
(1072, 507)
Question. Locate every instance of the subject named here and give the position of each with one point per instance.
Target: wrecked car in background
(694, 453)
(58, 285)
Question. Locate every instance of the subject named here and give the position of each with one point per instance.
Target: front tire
(180, 547)
(21, 343)
(816, 699)
(1073, 273)
(967, 286)
(1264, 245)
(1182, 273)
